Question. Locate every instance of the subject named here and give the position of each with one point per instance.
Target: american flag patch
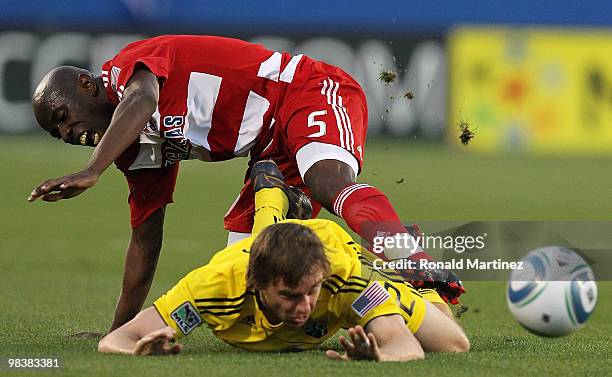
(370, 298)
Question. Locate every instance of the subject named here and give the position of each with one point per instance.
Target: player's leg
(265, 200)
(326, 133)
(271, 206)
(274, 199)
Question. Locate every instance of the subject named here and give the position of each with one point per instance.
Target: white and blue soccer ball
(555, 292)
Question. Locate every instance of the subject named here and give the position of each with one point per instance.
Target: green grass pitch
(61, 263)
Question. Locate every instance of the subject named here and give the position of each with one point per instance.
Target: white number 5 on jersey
(317, 123)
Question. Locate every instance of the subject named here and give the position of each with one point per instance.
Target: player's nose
(305, 305)
(65, 134)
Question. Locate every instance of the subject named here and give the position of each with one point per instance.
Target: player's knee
(326, 178)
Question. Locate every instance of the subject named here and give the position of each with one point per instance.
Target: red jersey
(216, 93)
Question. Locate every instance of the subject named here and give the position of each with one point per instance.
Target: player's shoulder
(234, 257)
(116, 68)
(232, 261)
(224, 277)
(325, 229)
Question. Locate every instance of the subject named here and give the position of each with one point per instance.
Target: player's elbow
(416, 355)
(465, 345)
(103, 345)
(458, 344)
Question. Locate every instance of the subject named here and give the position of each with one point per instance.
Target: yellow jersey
(216, 294)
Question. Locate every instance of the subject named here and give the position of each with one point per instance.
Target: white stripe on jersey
(349, 140)
(325, 91)
(343, 122)
(271, 140)
(105, 78)
(289, 71)
(270, 68)
(331, 100)
(120, 92)
(114, 77)
(338, 112)
(202, 93)
(252, 122)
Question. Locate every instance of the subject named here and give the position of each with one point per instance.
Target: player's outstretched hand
(64, 187)
(158, 342)
(361, 346)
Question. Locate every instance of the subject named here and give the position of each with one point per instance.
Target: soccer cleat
(445, 282)
(266, 174)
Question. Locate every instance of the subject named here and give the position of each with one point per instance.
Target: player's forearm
(140, 100)
(140, 264)
(129, 119)
(400, 350)
(130, 302)
(394, 340)
(118, 341)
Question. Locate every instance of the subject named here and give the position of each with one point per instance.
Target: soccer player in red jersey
(171, 98)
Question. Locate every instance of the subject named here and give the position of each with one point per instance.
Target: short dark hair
(288, 251)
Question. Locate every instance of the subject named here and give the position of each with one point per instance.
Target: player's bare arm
(140, 263)
(146, 334)
(130, 117)
(439, 333)
(385, 338)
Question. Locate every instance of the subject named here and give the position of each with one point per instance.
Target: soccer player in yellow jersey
(291, 286)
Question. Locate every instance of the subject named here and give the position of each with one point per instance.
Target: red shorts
(324, 118)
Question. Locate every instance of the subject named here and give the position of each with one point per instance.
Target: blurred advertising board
(538, 90)
(418, 61)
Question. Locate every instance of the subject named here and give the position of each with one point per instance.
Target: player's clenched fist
(158, 342)
(361, 346)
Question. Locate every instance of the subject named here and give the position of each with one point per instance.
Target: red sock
(368, 212)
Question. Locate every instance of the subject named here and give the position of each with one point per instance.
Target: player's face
(292, 305)
(78, 122)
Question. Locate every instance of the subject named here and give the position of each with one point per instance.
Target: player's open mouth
(89, 138)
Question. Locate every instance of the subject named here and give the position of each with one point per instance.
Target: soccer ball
(554, 293)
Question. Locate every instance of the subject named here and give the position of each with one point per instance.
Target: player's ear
(87, 84)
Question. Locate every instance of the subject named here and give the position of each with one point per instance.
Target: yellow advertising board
(539, 90)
